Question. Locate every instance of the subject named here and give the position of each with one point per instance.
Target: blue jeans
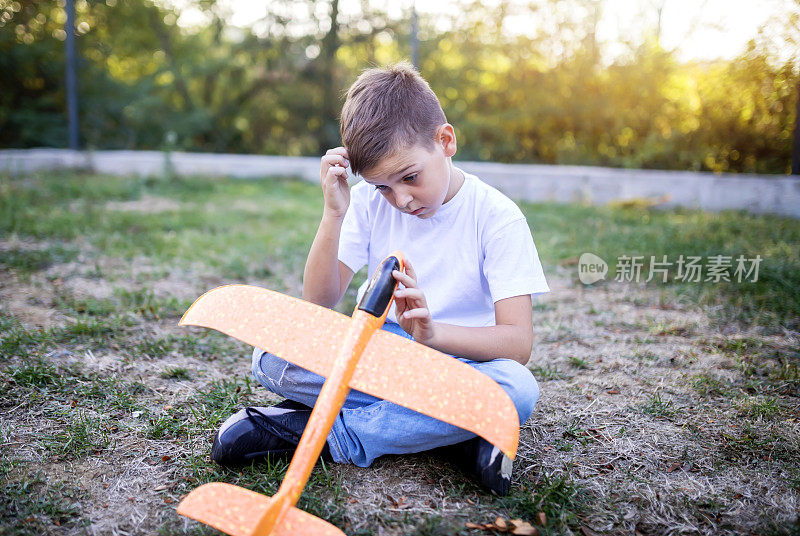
(368, 427)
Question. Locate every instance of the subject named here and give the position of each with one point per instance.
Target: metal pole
(71, 78)
(414, 39)
(796, 146)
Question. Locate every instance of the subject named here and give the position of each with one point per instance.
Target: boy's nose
(402, 200)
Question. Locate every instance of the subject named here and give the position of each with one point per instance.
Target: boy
(467, 293)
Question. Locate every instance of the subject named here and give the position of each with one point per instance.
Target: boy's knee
(530, 390)
(267, 369)
(521, 386)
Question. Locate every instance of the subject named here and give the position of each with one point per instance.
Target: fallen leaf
(500, 523)
(162, 487)
(168, 500)
(613, 391)
(525, 529)
(470, 525)
(166, 458)
(673, 467)
(541, 518)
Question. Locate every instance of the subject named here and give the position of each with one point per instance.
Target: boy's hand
(333, 178)
(411, 308)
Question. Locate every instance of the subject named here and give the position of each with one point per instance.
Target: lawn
(666, 407)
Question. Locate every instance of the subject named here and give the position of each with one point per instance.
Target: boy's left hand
(411, 307)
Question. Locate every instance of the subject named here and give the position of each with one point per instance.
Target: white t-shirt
(477, 249)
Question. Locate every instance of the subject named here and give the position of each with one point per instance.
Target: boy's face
(418, 180)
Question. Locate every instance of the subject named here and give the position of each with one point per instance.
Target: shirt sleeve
(354, 237)
(511, 263)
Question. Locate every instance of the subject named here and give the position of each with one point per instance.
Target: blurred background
(692, 85)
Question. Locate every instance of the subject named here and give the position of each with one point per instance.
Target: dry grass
(623, 420)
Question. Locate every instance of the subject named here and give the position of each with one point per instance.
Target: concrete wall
(777, 194)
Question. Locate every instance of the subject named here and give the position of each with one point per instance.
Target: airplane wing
(392, 367)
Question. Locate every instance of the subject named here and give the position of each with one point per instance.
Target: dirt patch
(146, 204)
(30, 302)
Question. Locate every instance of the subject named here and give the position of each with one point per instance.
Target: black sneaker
(255, 432)
(483, 461)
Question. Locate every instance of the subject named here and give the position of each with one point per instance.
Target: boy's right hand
(333, 177)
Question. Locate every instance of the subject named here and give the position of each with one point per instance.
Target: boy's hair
(388, 110)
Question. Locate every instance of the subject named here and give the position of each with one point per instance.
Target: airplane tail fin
(237, 511)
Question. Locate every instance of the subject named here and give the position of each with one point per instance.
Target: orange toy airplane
(352, 353)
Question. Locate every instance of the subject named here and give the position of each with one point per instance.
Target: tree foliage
(546, 96)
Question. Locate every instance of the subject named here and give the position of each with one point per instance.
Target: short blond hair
(388, 110)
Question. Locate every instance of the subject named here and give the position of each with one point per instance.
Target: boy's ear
(446, 137)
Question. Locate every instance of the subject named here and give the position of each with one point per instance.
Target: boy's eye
(380, 187)
(410, 178)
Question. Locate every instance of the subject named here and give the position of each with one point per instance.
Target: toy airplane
(352, 353)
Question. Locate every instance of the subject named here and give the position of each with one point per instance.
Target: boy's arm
(511, 338)
(325, 277)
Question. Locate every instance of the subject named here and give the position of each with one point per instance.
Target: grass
(546, 372)
(29, 261)
(68, 206)
(758, 407)
(577, 362)
(612, 232)
(84, 434)
(168, 424)
(29, 504)
(557, 495)
(16, 340)
(658, 406)
(176, 373)
(110, 379)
